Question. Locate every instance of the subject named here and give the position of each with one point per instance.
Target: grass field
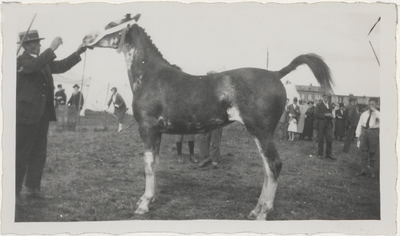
(99, 176)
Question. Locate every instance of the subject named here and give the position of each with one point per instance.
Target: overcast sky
(205, 37)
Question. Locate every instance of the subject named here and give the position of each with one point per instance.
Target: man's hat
(59, 86)
(351, 99)
(326, 95)
(312, 103)
(32, 35)
(77, 86)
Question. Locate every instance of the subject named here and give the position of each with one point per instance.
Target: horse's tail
(318, 67)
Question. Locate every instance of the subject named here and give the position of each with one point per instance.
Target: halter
(122, 39)
(101, 34)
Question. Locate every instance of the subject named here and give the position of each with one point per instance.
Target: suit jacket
(321, 110)
(35, 86)
(339, 114)
(63, 98)
(76, 100)
(310, 113)
(118, 101)
(352, 116)
(295, 112)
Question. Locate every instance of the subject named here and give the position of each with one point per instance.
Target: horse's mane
(150, 42)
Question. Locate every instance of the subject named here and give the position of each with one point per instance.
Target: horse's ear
(136, 18)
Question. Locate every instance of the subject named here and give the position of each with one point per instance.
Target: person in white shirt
(367, 134)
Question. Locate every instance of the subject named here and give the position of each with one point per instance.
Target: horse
(167, 100)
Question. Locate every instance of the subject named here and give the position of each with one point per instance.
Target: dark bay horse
(167, 100)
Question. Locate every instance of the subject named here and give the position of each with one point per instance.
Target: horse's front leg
(151, 140)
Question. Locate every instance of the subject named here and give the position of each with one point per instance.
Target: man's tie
(369, 118)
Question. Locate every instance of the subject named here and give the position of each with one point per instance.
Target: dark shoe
(204, 162)
(180, 159)
(35, 194)
(331, 157)
(38, 196)
(193, 159)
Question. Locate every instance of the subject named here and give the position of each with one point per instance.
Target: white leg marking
(149, 192)
(234, 114)
(266, 200)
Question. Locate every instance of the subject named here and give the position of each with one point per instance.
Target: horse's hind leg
(272, 166)
(151, 159)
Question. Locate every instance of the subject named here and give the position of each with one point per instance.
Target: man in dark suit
(294, 109)
(76, 99)
(351, 121)
(323, 114)
(35, 107)
(60, 97)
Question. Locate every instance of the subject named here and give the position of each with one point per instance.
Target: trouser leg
(215, 144)
(203, 141)
(364, 162)
(191, 147)
(25, 138)
(39, 153)
(179, 148)
(328, 137)
(348, 139)
(321, 134)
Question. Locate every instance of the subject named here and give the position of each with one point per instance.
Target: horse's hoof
(141, 211)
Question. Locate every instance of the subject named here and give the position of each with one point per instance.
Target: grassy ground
(99, 176)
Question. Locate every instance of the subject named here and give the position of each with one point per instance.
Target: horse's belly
(190, 127)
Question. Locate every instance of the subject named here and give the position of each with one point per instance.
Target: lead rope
(81, 95)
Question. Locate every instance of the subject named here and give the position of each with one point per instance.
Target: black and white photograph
(202, 117)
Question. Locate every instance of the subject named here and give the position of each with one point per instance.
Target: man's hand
(117, 106)
(328, 115)
(56, 42)
(81, 49)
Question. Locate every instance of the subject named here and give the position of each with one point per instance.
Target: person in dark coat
(283, 123)
(60, 97)
(309, 121)
(35, 108)
(351, 122)
(76, 99)
(340, 123)
(323, 114)
(119, 107)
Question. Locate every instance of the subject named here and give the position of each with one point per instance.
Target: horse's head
(113, 35)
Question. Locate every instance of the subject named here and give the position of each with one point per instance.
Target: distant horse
(167, 100)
